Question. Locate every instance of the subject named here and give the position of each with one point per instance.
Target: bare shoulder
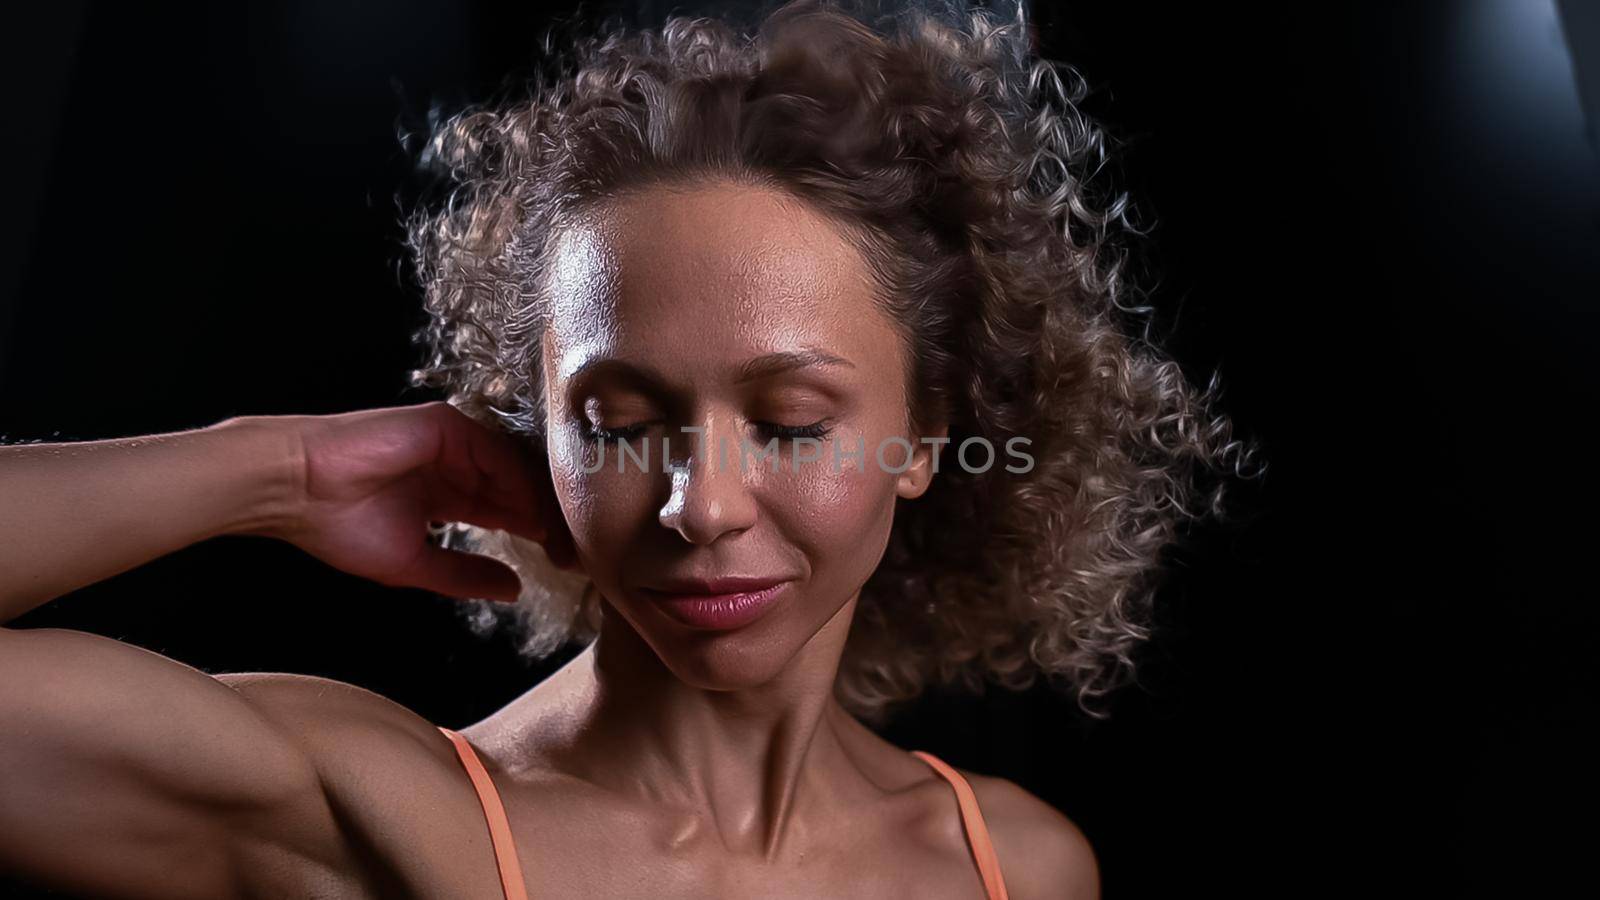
(402, 796)
(334, 717)
(1043, 854)
(294, 694)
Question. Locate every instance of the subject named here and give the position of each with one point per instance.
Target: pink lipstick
(720, 604)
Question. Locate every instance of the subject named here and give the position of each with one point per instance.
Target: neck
(754, 763)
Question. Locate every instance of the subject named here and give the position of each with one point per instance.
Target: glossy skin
(696, 286)
(665, 761)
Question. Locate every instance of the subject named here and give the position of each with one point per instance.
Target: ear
(914, 481)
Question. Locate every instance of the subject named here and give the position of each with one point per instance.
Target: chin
(727, 662)
(730, 659)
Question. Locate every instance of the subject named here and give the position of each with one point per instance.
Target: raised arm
(124, 773)
(73, 514)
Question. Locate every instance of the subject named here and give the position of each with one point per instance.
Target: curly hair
(962, 167)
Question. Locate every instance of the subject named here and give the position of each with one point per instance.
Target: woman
(841, 250)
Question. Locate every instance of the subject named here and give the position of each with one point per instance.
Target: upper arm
(125, 773)
(1043, 854)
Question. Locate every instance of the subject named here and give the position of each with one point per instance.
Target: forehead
(720, 272)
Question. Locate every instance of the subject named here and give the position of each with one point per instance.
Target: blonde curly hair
(961, 165)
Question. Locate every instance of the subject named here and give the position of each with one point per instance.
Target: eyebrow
(770, 364)
(765, 366)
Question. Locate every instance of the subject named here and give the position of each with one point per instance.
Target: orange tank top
(505, 849)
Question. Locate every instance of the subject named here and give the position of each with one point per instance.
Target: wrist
(271, 473)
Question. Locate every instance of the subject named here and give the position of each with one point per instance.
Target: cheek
(839, 516)
(604, 509)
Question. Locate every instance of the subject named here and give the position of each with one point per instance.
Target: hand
(371, 482)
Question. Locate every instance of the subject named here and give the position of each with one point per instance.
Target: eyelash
(815, 430)
(596, 434)
(819, 429)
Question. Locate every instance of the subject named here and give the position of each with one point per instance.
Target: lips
(717, 604)
(715, 586)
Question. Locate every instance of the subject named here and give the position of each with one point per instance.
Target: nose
(708, 496)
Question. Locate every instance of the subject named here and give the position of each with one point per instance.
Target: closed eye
(818, 429)
(626, 434)
(629, 433)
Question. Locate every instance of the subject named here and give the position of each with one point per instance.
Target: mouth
(718, 604)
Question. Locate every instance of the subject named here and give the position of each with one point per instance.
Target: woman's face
(736, 311)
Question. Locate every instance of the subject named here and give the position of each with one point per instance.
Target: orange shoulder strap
(505, 849)
(994, 886)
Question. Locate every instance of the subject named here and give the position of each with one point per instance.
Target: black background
(1379, 222)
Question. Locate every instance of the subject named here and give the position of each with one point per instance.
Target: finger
(481, 462)
(525, 504)
(446, 504)
(465, 576)
(557, 543)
